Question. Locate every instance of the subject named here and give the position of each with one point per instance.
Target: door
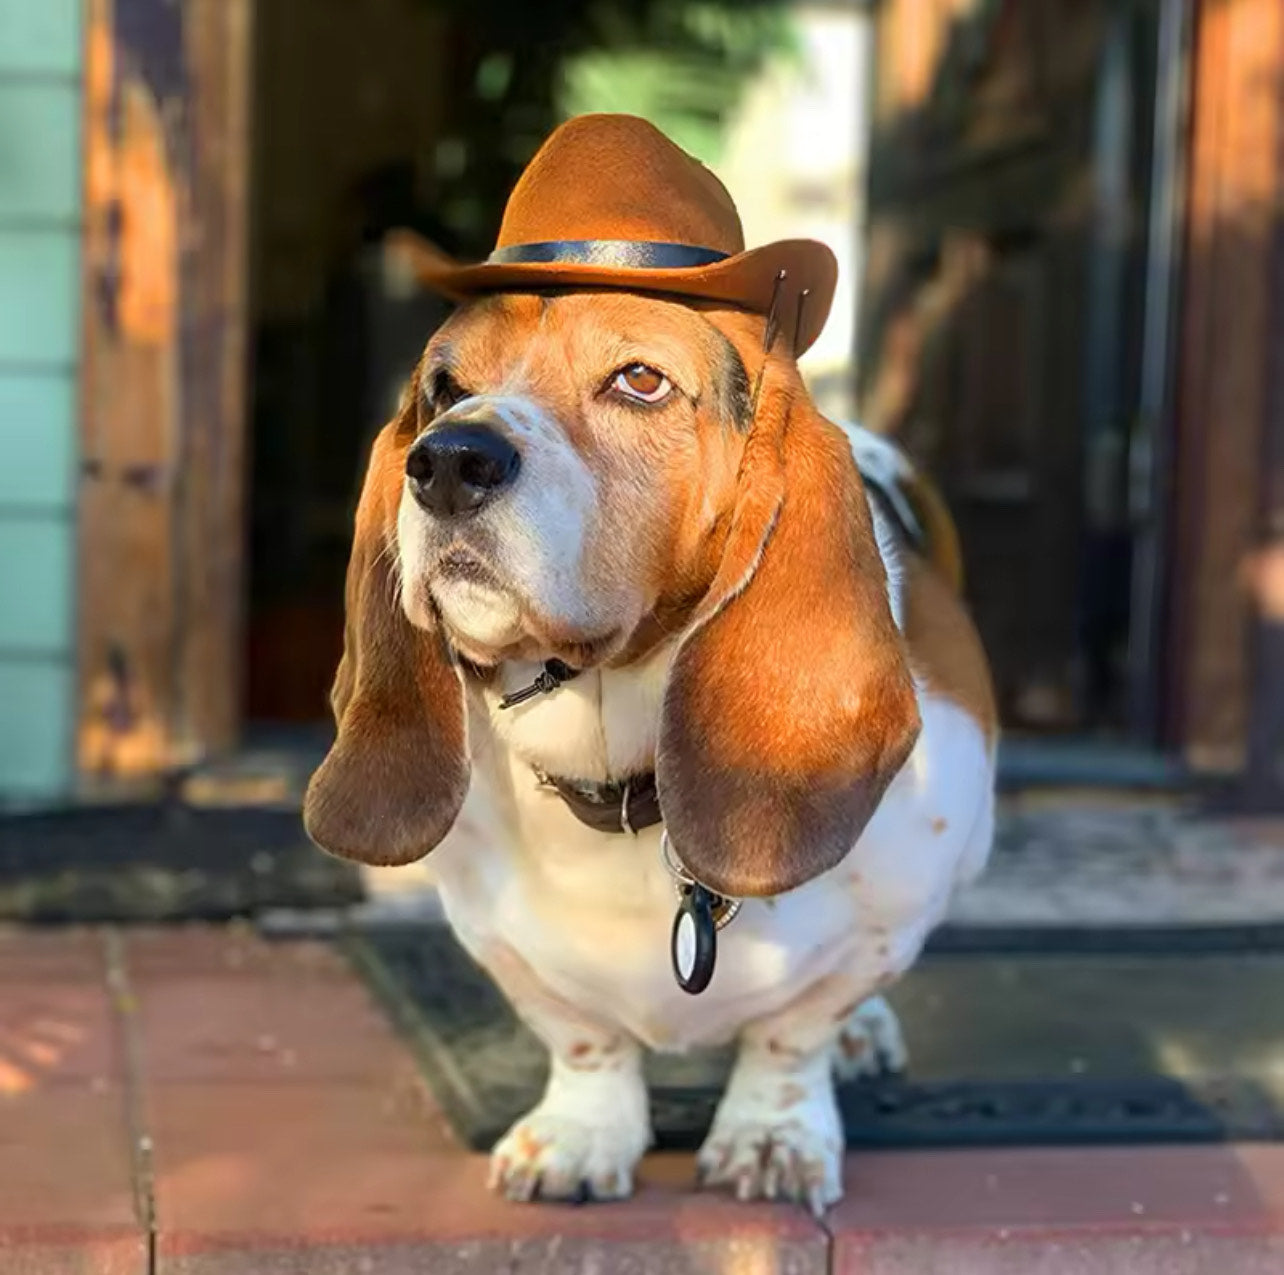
(1006, 300)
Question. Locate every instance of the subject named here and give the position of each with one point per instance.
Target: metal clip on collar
(553, 675)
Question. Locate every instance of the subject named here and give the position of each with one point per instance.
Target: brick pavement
(197, 1101)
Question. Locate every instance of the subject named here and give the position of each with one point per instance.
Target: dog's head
(582, 475)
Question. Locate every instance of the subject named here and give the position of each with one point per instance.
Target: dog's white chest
(591, 915)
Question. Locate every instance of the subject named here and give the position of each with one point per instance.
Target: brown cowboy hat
(609, 202)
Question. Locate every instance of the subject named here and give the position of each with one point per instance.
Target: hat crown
(617, 177)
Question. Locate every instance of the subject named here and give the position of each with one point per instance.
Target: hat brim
(748, 280)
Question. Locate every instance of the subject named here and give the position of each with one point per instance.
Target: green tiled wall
(38, 301)
(41, 37)
(40, 103)
(35, 742)
(39, 172)
(37, 439)
(35, 568)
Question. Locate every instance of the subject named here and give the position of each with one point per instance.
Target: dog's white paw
(870, 1043)
(783, 1142)
(551, 1154)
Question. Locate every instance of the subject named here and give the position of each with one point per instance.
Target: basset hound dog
(655, 659)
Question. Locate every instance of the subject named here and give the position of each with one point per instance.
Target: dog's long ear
(393, 782)
(790, 705)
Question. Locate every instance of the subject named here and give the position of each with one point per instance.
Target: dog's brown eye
(642, 383)
(446, 392)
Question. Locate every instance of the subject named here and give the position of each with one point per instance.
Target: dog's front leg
(777, 1132)
(585, 1137)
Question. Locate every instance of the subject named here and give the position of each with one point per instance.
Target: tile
(38, 440)
(1178, 1252)
(39, 297)
(314, 1174)
(295, 1160)
(67, 1204)
(64, 1161)
(1262, 1167)
(1127, 1210)
(40, 36)
(36, 709)
(757, 1253)
(264, 1029)
(1062, 1187)
(37, 559)
(114, 1251)
(62, 954)
(1178, 1210)
(55, 1032)
(40, 174)
(205, 950)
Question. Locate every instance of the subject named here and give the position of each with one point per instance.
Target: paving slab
(197, 950)
(67, 1200)
(39, 955)
(1182, 1253)
(344, 1169)
(1119, 1210)
(75, 1251)
(342, 1161)
(64, 1160)
(241, 1029)
(55, 1031)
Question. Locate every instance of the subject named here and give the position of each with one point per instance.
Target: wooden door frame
(1263, 783)
(161, 504)
(1154, 436)
(1231, 323)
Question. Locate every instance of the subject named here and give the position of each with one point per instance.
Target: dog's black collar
(627, 805)
(895, 506)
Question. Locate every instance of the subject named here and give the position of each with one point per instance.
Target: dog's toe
(760, 1158)
(870, 1043)
(552, 1156)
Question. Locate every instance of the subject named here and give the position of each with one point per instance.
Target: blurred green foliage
(685, 70)
(520, 68)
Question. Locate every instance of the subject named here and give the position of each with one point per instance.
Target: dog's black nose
(457, 469)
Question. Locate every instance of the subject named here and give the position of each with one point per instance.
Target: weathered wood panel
(1264, 778)
(1229, 341)
(162, 413)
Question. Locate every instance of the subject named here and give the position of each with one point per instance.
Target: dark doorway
(375, 114)
(1010, 285)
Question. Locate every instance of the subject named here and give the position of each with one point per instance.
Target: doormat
(1006, 1048)
(163, 861)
